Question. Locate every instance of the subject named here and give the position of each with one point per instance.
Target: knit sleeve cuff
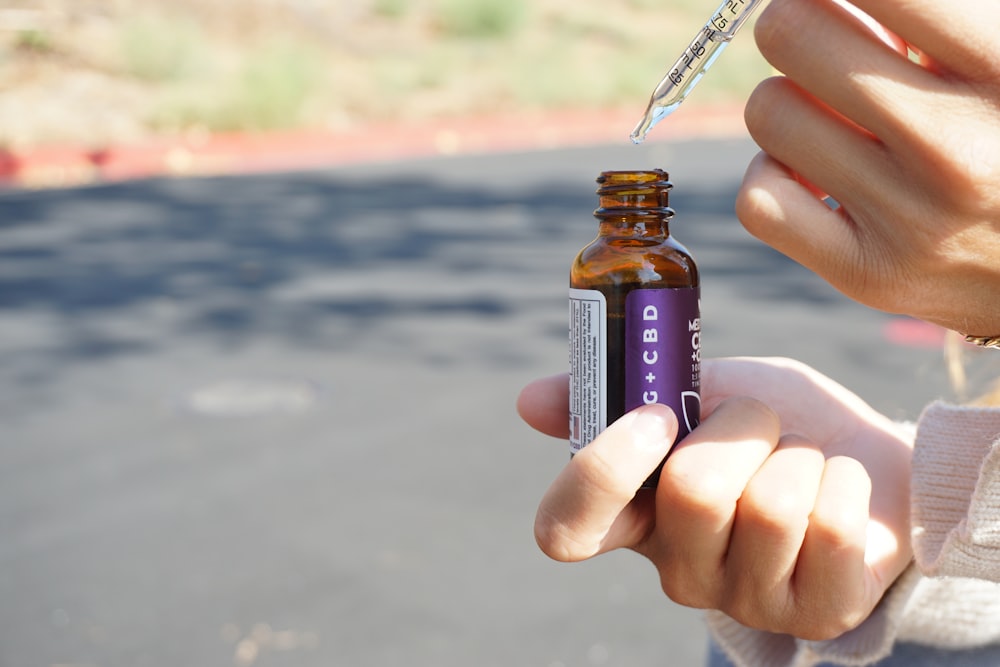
(956, 492)
(869, 642)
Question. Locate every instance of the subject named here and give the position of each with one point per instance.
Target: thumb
(589, 509)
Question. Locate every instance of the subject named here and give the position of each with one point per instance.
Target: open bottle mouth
(648, 190)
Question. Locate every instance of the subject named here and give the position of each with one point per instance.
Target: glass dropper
(692, 64)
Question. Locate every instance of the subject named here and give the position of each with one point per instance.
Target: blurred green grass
(272, 64)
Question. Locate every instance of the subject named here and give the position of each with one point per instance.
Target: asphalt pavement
(268, 419)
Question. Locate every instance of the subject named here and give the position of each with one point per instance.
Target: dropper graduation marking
(693, 63)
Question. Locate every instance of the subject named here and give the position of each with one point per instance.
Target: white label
(588, 365)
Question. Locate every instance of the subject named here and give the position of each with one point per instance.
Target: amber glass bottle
(635, 323)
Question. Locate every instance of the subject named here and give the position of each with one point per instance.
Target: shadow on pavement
(269, 419)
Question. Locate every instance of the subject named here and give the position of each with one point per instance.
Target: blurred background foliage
(100, 71)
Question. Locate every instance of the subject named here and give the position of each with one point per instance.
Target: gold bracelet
(984, 341)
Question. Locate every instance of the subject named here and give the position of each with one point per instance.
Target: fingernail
(649, 430)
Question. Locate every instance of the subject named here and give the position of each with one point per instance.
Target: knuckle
(752, 409)
(785, 610)
(686, 589)
(768, 615)
(759, 110)
(757, 612)
(771, 511)
(835, 530)
(877, 273)
(599, 473)
(966, 168)
(749, 403)
(822, 626)
(774, 26)
(696, 491)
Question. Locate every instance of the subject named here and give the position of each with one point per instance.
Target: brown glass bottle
(635, 324)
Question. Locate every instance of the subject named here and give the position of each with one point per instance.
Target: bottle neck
(639, 223)
(634, 204)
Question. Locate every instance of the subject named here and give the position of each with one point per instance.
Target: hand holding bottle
(909, 148)
(787, 509)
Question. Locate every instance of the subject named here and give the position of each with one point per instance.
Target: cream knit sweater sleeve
(950, 597)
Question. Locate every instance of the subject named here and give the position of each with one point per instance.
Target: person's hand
(787, 508)
(909, 148)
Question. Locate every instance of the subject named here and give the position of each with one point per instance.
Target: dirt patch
(103, 72)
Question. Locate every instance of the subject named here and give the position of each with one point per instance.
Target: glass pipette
(699, 55)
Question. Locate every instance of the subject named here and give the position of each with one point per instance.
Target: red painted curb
(305, 149)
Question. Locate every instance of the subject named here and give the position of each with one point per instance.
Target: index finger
(544, 405)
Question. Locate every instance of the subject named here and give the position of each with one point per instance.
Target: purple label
(663, 352)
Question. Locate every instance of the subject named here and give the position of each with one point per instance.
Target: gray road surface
(268, 420)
